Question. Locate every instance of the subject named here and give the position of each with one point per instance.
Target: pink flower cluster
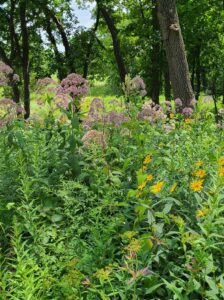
(151, 112)
(96, 137)
(207, 100)
(96, 109)
(187, 111)
(115, 118)
(9, 111)
(5, 69)
(73, 85)
(62, 101)
(46, 85)
(43, 82)
(136, 85)
(178, 102)
(5, 72)
(98, 114)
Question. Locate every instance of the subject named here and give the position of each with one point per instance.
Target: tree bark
(204, 79)
(90, 46)
(15, 47)
(198, 73)
(25, 57)
(155, 56)
(61, 73)
(116, 43)
(175, 51)
(193, 72)
(167, 85)
(65, 41)
(223, 91)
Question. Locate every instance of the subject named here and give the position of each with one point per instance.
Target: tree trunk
(15, 47)
(204, 80)
(175, 51)
(68, 54)
(155, 56)
(116, 43)
(193, 73)
(223, 91)
(167, 85)
(198, 73)
(90, 46)
(60, 64)
(25, 58)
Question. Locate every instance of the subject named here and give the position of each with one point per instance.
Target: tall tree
(90, 45)
(107, 15)
(175, 50)
(64, 38)
(25, 56)
(58, 57)
(155, 56)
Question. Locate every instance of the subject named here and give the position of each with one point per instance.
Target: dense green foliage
(53, 28)
(120, 198)
(79, 221)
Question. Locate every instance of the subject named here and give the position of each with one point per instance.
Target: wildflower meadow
(111, 165)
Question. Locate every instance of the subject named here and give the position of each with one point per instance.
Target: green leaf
(56, 218)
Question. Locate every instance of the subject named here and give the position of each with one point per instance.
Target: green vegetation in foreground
(139, 218)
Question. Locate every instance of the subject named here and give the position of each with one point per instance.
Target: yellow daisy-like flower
(147, 159)
(173, 187)
(201, 213)
(187, 121)
(142, 186)
(149, 177)
(144, 168)
(172, 115)
(196, 186)
(157, 187)
(221, 172)
(199, 163)
(221, 161)
(200, 173)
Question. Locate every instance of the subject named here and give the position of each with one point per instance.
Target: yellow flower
(144, 168)
(172, 115)
(147, 159)
(173, 187)
(199, 163)
(187, 121)
(221, 161)
(201, 213)
(197, 185)
(221, 172)
(157, 187)
(200, 173)
(142, 185)
(149, 177)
